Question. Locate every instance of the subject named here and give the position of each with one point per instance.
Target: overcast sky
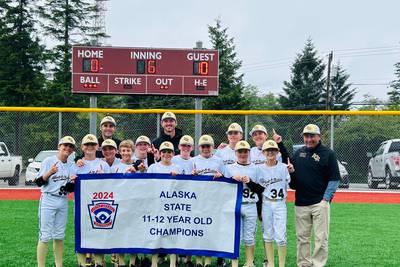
(364, 35)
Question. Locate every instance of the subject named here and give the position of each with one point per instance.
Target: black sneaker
(199, 265)
(146, 262)
(207, 265)
(189, 264)
(220, 262)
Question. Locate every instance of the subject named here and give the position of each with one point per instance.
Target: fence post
(332, 130)
(59, 125)
(93, 116)
(197, 122)
(158, 124)
(246, 126)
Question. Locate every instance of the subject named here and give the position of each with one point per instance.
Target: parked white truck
(10, 166)
(384, 165)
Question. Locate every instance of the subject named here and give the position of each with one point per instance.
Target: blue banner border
(211, 253)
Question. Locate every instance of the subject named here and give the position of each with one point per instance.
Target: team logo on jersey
(102, 214)
(315, 157)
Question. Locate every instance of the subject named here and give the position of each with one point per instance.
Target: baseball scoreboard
(144, 71)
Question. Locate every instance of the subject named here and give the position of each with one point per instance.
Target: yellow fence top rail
(220, 112)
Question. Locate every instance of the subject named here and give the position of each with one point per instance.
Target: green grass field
(361, 235)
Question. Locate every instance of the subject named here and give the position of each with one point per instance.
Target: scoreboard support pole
(93, 115)
(198, 118)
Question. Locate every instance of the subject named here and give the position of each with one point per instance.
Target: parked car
(34, 164)
(344, 174)
(384, 165)
(10, 166)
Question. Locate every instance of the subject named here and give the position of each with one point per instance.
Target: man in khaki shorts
(315, 180)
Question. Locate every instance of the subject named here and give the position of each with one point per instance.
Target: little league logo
(102, 214)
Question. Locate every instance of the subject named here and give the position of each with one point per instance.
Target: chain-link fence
(355, 138)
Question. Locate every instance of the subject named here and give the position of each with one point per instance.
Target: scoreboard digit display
(144, 71)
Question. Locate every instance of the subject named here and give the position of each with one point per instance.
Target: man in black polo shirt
(170, 133)
(315, 180)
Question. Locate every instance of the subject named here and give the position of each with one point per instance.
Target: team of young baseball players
(260, 169)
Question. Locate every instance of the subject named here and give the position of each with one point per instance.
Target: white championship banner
(157, 213)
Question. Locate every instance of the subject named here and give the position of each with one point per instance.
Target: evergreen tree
(341, 93)
(394, 94)
(306, 86)
(68, 22)
(21, 61)
(230, 82)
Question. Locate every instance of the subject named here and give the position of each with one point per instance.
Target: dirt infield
(340, 196)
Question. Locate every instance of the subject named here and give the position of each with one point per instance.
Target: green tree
(306, 86)
(21, 56)
(67, 22)
(341, 93)
(230, 81)
(394, 94)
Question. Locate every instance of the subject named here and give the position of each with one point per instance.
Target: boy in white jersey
(90, 164)
(54, 174)
(165, 165)
(184, 160)
(144, 153)
(206, 164)
(259, 135)
(273, 180)
(234, 134)
(109, 150)
(243, 171)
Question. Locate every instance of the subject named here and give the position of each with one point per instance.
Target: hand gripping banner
(157, 213)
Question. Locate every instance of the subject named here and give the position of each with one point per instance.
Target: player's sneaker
(207, 265)
(265, 263)
(199, 265)
(189, 264)
(146, 262)
(220, 262)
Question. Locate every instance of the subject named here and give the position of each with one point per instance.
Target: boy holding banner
(184, 159)
(242, 171)
(206, 164)
(166, 166)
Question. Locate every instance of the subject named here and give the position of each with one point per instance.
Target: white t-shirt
(158, 167)
(93, 166)
(227, 154)
(185, 164)
(208, 166)
(249, 170)
(58, 179)
(257, 157)
(274, 179)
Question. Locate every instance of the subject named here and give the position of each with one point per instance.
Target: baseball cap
(144, 139)
(89, 139)
(168, 115)
(311, 129)
(234, 127)
(109, 142)
(242, 145)
(166, 146)
(108, 119)
(206, 140)
(270, 144)
(186, 140)
(67, 140)
(258, 128)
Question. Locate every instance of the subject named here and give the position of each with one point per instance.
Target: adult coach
(170, 132)
(108, 126)
(315, 180)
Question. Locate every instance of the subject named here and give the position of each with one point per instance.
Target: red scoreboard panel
(144, 71)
